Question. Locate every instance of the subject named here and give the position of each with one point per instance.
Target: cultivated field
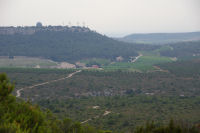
(26, 62)
(143, 64)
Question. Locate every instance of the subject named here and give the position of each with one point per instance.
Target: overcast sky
(110, 17)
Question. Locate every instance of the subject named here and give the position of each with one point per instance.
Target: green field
(143, 64)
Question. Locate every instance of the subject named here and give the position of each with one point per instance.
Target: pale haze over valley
(111, 17)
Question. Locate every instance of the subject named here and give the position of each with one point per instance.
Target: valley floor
(110, 99)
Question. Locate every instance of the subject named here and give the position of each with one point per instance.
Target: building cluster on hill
(29, 30)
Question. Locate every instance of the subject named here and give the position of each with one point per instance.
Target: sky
(114, 18)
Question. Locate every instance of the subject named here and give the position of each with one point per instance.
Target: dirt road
(136, 58)
(104, 114)
(48, 82)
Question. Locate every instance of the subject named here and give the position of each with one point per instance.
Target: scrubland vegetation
(116, 86)
(132, 98)
(18, 116)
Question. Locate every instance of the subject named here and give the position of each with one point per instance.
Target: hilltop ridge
(61, 43)
(161, 38)
(29, 30)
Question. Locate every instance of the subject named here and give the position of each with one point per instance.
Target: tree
(5, 87)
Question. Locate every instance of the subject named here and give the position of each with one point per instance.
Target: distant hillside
(183, 67)
(183, 50)
(61, 43)
(161, 38)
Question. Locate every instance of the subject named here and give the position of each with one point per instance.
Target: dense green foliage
(186, 68)
(126, 112)
(100, 83)
(64, 46)
(183, 50)
(172, 127)
(23, 117)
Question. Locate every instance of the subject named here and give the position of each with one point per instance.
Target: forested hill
(183, 50)
(61, 43)
(161, 38)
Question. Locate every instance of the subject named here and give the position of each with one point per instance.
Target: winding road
(48, 82)
(136, 58)
(105, 113)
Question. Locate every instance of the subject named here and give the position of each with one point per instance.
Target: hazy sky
(110, 17)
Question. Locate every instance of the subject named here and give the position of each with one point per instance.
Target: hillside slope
(161, 38)
(62, 45)
(183, 50)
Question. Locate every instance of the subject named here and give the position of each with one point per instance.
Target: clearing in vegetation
(143, 64)
(26, 62)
